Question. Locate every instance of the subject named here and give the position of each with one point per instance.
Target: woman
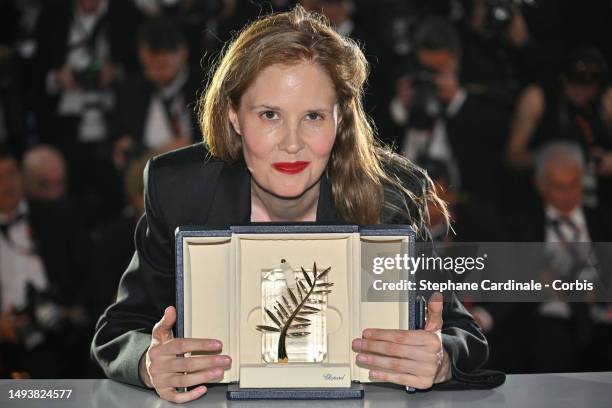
(286, 140)
(577, 109)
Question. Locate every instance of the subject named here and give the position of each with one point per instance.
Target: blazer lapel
(232, 200)
(326, 210)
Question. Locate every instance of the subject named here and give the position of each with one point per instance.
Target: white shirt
(19, 264)
(158, 130)
(432, 143)
(576, 217)
(561, 257)
(599, 312)
(74, 103)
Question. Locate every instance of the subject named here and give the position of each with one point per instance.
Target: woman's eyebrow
(276, 108)
(320, 110)
(269, 107)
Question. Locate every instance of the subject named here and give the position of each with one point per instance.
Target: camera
(425, 106)
(42, 317)
(45, 319)
(498, 14)
(89, 77)
(499, 17)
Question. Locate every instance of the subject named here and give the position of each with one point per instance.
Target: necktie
(556, 224)
(4, 227)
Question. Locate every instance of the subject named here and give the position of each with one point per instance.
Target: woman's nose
(292, 141)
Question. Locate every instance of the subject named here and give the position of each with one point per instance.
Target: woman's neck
(266, 207)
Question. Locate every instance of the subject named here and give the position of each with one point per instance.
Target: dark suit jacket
(132, 102)
(113, 247)
(122, 21)
(64, 248)
(512, 340)
(476, 135)
(477, 138)
(185, 188)
(530, 225)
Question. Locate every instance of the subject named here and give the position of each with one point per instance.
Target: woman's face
(287, 120)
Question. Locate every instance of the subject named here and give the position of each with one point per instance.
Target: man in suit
(84, 47)
(564, 226)
(437, 118)
(559, 176)
(44, 262)
(155, 110)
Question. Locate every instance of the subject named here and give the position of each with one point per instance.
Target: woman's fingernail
(357, 344)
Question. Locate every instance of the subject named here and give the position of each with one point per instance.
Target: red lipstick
(290, 167)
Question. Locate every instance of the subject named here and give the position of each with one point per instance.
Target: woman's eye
(268, 115)
(314, 116)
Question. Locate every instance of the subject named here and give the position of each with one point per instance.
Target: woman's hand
(412, 358)
(163, 367)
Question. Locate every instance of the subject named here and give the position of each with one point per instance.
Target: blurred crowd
(506, 103)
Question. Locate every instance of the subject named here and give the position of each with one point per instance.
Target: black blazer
(132, 101)
(530, 225)
(64, 248)
(184, 187)
(52, 31)
(477, 136)
(53, 26)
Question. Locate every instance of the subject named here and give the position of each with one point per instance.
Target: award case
(223, 289)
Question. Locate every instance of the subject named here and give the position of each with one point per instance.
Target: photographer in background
(507, 43)
(581, 330)
(155, 110)
(44, 322)
(84, 47)
(440, 120)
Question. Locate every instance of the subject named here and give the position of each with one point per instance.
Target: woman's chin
(287, 187)
(289, 193)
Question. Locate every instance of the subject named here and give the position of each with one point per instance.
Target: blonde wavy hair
(365, 178)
